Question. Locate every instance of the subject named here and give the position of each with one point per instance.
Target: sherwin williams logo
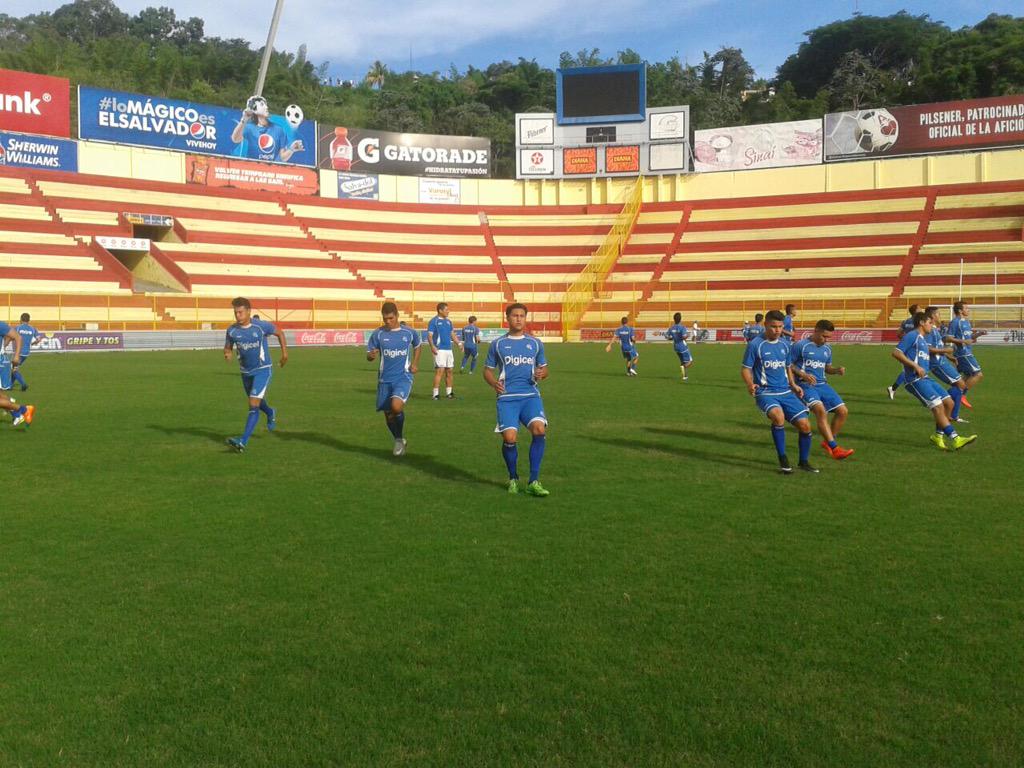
(266, 143)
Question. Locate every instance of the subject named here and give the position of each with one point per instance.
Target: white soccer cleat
(399, 449)
(962, 421)
(892, 393)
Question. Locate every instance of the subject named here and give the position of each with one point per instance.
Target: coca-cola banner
(244, 174)
(403, 154)
(31, 103)
(922, 128)
(327, 338)
(745, 147)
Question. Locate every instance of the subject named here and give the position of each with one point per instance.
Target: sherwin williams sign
(32, 103)
(183, 126)
(18, 150)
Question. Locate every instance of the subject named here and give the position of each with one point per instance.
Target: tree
(727, 72)
(587, 57)
(377, 75)
(857, 82)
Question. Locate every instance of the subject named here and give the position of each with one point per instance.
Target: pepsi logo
(266, 142)
(198, 130)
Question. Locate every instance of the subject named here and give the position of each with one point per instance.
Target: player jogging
(751, 332)
(626, 336)
(470, 338)
(251, 338)
(769, 379)
(20, 414)
(515, 363)
(941, 367)
(677, 334)
(912, 351)
(962, 336)
(787, 323)
(441, 335)
(29, 335)
(905, 327)
(391, 343)
(811, 360)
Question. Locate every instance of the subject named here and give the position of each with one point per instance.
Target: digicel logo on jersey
(393, 353)
(31, 103)
(518, 360)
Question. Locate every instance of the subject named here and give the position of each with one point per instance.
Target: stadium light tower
(261, 79)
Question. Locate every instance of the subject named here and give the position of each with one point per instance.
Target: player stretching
(787, 323)
(912, 351)
(20, 414)
(905, 327)
(677, 334)
(941, 368)
(470, 337)
(29, 335)
(626, 336)
(751, 332)
(251, 338)
(769, 380)
(962, 336)
(391, 343)
(441, 335)
(520, 363)
(811, 360)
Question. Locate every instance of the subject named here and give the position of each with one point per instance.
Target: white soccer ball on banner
(876, 131)
(293, 114)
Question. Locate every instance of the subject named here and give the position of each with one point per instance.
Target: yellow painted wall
(131, 162)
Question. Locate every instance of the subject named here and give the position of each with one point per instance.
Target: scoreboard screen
(602, 94)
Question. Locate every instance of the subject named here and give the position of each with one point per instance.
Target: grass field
(674, 602)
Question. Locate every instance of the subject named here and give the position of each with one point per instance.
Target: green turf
(674, 602)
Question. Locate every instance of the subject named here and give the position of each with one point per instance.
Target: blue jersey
(787, 323)
(252, 344)
(767, 361)
(516, 358)
(960, 328)
(907, 326)
(677, 334)
(393, 346)
(752, 332)
(626, 336)
(915, 347)
(470, 336)
(4, 330)
(811, 359)
(28, 335)
(934, 340)
(264, 142)
(440, 330)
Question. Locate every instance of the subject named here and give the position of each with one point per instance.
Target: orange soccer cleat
(838, 453)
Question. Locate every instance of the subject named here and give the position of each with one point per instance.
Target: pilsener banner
(151, 121)
(31, 103)
(19, 150)
(403, 154)
(746, 147)
(947, 126)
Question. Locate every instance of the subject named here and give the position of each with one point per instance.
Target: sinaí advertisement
(746, 147)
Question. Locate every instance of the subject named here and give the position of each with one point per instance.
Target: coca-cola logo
(319, 337)
(863, 336)
(328, 338)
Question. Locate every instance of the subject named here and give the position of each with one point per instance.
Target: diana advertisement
(746, 147)
(251, 132)
(404, 154)
(18, 150)
(948, 126)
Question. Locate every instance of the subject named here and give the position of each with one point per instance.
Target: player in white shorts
(442, 337)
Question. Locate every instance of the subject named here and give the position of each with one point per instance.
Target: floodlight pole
(261, 79)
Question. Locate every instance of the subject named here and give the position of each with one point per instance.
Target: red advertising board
(327, 338)
(31, 103)
(624, 159)
(579, 160)
(247, 174)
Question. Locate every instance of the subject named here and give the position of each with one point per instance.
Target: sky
(434, 35)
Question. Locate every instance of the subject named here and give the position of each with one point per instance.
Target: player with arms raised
(677, 334)
(515, 363)
(391, 343)
(811, 360)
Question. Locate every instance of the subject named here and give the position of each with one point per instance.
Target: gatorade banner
(31, 103)
(746, 147)
(244, 174)
(363, 151)
(946, 126)
(150, 121)
(358, 186)
(19, 150)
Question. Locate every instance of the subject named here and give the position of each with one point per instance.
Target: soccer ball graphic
(876, 131)
(293, 114)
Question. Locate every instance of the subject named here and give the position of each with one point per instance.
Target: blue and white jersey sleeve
(414, 337)
(432, 330)
(542, 359)
(750, 354)
(373, 343)
(960, 328)
(787, 323)
(492, 356)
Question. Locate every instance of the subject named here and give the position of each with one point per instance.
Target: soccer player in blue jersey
(515, 363)
(811, 360)
(751, 332)
(962, 336)
(912, 351)
(251, 338)
(904, 328)
(29, 335)
(626, 336)
(442, 338)
(769, 379)
(941, 367)
(470, 339)
(20, 414)
(677, 334)
(787, 323)
(392, 343)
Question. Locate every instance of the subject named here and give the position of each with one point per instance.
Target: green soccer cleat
(938, 441)
(961, 440)
(236, 443)
(513, 487)
(536, 489)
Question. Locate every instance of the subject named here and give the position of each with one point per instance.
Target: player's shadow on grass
(209, 434)
(697, 435)
(675, 451)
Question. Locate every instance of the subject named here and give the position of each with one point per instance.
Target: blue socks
(832, 444)
(18, 378)
(949, 431)
(536, 455)
(396, 424)
(957, 394)
(472, 364)
(779, 437)
(900, 380)
(510, 452)
(266, 409)
(805, 447)
(251, 422)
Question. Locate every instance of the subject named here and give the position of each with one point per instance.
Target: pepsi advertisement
(20, 150)
(251, 133)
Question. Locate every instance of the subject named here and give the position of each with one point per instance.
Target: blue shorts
(257, 382)
(386, 390)
(822, 393)
(684, 356)
(469, 351)
(6, 375)
(791, 405)
(968, 365)
(521, 410)
(928, 392)
(630, 354)
(944, 371)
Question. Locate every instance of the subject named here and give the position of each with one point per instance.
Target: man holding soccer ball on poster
(260, 137)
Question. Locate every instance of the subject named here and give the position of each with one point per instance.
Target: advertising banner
(622, 159)
(536, 162)
(78, 341)
(150, 121)
(536, 130)
(122, 243)
(947, 126)
(745, 147)
(358, 186)
(245, 174)
(404, 154)
(327, 338)
(1010, 337)
(18, 150)
(442, 191)
(31, 103)
(579, 160)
